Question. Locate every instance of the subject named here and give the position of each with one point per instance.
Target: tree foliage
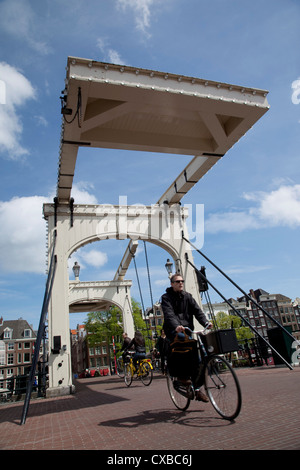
(140, 324)
(103, 325)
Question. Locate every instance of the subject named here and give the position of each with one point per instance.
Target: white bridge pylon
(120, 107)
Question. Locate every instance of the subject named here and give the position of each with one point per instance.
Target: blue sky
(251, 198)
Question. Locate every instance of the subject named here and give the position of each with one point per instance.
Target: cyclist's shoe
(190, 393)
(184, 381)
(200, 396)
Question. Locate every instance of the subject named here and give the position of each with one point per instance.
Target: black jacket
(126, 343)
(138, 342)
(180, 309)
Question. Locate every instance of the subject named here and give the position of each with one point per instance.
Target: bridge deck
(121, 107)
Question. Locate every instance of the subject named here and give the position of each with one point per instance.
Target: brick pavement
(104, 414)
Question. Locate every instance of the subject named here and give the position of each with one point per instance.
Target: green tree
(103, 325)
(140, 324)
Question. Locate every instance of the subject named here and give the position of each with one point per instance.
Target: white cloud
(230, 222)
(17, 91)
(110, 55)
(280, 207)
(141, 10)
(41, 121)
(81, 194)
(23, 232)
(246, 269)
(115, 57)
(23, 235)
(18, 19)
(94, 258)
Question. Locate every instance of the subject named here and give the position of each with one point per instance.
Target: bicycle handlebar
(198, 332)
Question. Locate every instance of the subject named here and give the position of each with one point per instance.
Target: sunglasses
(177, 282)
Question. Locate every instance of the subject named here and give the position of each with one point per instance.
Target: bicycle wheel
(146, 373)
(178, 394)
(120, 367)
(222, 387)
(128, 374)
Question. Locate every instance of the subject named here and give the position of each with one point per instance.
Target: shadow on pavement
(84, 397)
(161, 417)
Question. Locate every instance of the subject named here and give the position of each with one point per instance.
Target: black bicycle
(120, 366)
(219, 379)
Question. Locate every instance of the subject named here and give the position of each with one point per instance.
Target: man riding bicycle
(179, 308)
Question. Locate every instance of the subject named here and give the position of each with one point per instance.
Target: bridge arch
(80, 225)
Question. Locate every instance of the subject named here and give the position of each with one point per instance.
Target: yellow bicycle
(143, 371)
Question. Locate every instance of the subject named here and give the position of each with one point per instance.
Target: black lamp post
(169, 267)
(76, 270)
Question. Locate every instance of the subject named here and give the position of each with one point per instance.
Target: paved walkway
(104, 414)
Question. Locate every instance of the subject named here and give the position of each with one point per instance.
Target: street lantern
(76, 270)
(169, 267)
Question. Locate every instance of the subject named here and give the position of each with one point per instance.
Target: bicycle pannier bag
(183, 357)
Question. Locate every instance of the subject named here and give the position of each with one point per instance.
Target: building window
(26, 357)
(11, 346)
(7, 333)
(98, 362)
(2, 353)
(92, 362)
(10, 359)
(27, 345)
(27, 333)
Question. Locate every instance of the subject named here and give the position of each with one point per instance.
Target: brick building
(17, 340)
(98, 357)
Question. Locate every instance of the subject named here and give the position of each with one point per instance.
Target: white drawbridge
(119, 107)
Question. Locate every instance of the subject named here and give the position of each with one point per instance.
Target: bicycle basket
(220, 341)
